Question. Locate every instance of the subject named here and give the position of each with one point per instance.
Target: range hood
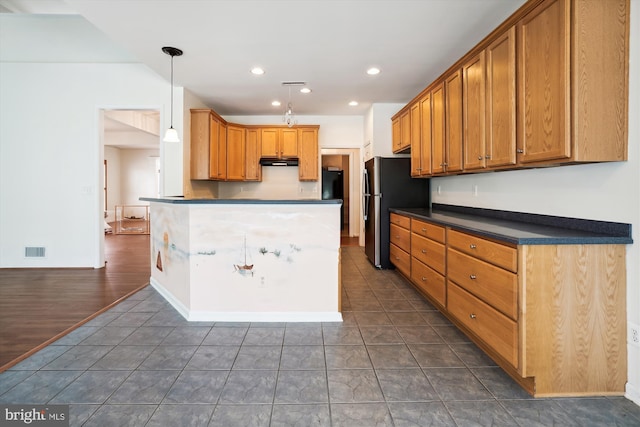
(278, 162)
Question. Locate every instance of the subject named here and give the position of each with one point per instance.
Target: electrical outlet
(634, 334)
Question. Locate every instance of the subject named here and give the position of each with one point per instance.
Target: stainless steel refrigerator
(387, 183)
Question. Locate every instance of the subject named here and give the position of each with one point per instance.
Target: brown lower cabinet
(552, 316)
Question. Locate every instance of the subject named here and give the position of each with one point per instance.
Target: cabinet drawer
(400, 237)
(401, 259)
(494, 328)
(495, 286)
(430, 281)
(402, 221)
(429, 252)
(495, 253)
(432, 231)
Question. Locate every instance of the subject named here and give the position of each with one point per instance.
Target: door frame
(355, 172)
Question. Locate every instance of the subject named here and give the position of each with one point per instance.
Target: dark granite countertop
(523, 228)
(183, 201)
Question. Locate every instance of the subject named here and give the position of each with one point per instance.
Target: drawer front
(495, 286)
(400, 237)
(430, 281)
(431, 231)
(495, 253)
(495, 329)
(399, 220)
(401, 259)
(429, 252)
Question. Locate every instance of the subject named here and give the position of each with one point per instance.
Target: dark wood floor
(37, 306)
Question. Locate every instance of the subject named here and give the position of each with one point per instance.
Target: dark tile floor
(394, 361)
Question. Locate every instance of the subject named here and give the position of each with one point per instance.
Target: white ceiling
(327, 43)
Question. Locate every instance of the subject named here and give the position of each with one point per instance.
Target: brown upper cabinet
(236, 153)
(208, 146)
(562, 63)
(279, 143)
(573, 92)
(401, 132)
(222, 151)
(308, 154)
(453, 121)
(416, 140)
(252, 154)
(500, 113)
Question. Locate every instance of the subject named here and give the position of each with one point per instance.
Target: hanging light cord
(172, 91)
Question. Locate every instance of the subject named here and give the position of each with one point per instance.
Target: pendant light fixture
(171, 135)
(289, 116)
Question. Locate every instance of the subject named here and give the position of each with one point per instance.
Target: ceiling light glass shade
(373, 71)
(289, 116)
(171, 135)
(257, 71)
(276, 103)
(305, 90)
(353, 103)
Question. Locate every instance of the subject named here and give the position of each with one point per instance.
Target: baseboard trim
(243, 316)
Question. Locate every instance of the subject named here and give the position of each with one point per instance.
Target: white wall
(377, 137)
(51, 162)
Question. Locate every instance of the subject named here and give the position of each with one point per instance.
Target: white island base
(247, 261)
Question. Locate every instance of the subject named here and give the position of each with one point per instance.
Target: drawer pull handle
(424, 251)
(424, 279)
(397, 258)
(472, 316)
(472, 276)
(472, 246)
(424, 230)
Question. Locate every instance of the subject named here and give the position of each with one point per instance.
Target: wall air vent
(34, 252)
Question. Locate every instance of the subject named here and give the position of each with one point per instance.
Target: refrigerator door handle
(365, 195)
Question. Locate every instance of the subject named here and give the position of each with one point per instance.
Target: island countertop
(183, 201)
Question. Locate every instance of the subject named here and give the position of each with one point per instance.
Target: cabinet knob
(520, 150)
(424, 251)
(488, 157)
(472, 316)
(472, 246)
(397, 258)
(397, 237)
(424, 230)
(424, 279)
(480, 157)
(472, 276)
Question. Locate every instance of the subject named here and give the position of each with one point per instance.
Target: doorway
(346, 161)
(130, 153)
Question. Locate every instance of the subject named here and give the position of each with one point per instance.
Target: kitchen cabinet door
(425, 135)
(544, 83)
(437, 129)
(202, 131)
(474, 112)
(222, 151)
(308, 154)
(253, 171)
(453, 122)
(416, 142)
(396, 137)
(269, 146)
(288, 143)
(235, 154)
(501, 100)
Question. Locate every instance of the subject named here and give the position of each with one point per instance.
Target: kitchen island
(245, 260)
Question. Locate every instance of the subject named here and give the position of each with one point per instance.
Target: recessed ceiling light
(353, 103)
(257, 71)
(373, 71)
(276, 103)
(305, 90)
